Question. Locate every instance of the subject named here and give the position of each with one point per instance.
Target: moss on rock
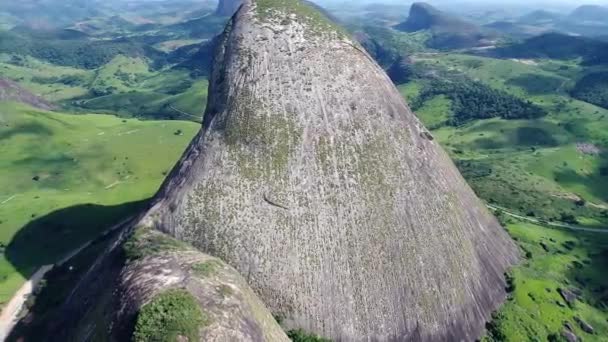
(170, 316)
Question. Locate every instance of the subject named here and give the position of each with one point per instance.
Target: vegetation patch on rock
(145, 242)
(171, 316)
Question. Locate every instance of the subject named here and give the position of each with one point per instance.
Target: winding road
(184, 113)
(549, 223)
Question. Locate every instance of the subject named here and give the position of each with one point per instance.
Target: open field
(554, 260)
(66, 177)
(543, 167)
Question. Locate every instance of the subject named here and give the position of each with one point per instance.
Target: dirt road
(10, 312)
(551, 223)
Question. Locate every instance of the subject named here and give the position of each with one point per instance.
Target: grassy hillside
(554, 260)
(64, 178)
(553, 167)
(125, 86)
(546, 167)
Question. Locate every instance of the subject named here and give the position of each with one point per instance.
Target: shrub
(169, 315)
(300, 335)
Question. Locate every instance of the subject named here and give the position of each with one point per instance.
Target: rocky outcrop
(312, 177)
(11, 91)
(155, 287)
(423, 16)
(586, 327)
(447, 31)
(568, 296)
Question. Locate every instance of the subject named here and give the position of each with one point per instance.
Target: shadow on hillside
(50, 238)
(596, 183)
(587, 273)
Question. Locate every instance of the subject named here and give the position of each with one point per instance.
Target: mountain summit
(447, 31)
(315, 181)
(426, 17)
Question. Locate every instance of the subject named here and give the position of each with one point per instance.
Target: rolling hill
(13, 92)
(589, 13)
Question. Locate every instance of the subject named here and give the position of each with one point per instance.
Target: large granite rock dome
(313, 178)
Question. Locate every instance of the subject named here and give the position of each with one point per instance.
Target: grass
(121, 73)
(207, 268)
(125, 86)
(300, 335)
(529, 166)
(568, 260)
(26, 70)
(146, 242)
(67, 177)
(170, 316)
(435, 112)
(317, 23)
(535, 168)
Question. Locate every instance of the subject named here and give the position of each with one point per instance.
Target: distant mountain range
(586, 20)
(590, 13)
(557, 46)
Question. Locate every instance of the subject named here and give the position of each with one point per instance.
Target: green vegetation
(207, 268)
(147, 242)
(557, 46)
(79, 53)
(555, 260)
(474, 100)
(170, 316)
(125, 86)
(387, 45)
(593, 88)
(552, 167)
(67, 178)
(316, 21)
(300, 335)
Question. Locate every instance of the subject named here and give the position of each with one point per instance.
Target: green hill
(557, 46)
(80, 53)
(593, 88)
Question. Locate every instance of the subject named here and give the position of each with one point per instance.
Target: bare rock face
(312, 177)
(226, 8)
